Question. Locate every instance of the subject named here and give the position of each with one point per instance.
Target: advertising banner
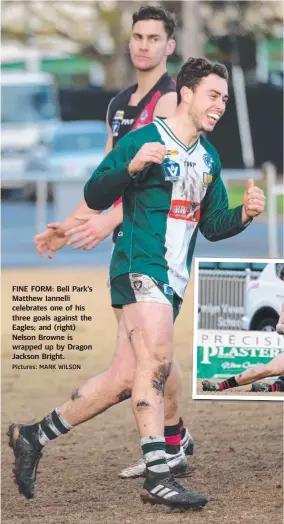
(221, 354)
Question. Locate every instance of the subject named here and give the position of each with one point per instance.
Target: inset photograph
(238, 344)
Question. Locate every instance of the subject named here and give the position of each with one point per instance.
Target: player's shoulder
(147, 133)
(119, 100)
(168, 84)
(210, 156)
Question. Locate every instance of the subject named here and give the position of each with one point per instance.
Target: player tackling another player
(272, 369)
(170, 179)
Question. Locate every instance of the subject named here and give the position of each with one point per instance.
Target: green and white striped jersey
(163, 205)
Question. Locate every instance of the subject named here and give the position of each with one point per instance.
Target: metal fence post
(271, 178)
(41, 205)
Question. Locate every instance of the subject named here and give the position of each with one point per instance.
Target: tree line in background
(100, 30)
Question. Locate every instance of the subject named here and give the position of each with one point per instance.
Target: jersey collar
(166, 128)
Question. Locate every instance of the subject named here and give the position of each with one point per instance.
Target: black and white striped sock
(154, 453)
(52, 426)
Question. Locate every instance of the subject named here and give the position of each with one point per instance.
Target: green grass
(236, 191)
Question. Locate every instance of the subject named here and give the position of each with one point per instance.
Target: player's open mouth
(213, 117)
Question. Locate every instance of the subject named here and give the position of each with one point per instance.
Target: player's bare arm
(56, 235)
(91, 231)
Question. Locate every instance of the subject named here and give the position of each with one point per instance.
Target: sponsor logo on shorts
(168, 290)
(185, 210)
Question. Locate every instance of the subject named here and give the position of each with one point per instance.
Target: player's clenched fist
(253, 201)
(150, 152)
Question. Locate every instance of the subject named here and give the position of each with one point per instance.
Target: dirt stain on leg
(124, 395)
(130, 334)
(160, 377)
(142, 405)
(76, 395)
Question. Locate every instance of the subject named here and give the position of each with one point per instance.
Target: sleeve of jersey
(217, 221)
(109, 180)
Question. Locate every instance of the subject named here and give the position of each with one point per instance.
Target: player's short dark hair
(151, 12)
(281, 273)
(194, 70)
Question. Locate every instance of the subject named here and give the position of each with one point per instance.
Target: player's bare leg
(150, 330)
(271, 369)
(173, 425)
(173, 388)
(105, 390)
(93, 397)
(278, 385)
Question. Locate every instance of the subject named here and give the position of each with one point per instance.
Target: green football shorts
(133, 288)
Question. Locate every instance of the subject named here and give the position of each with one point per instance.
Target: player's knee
(272, 370)
(261, 370)
(125, 385)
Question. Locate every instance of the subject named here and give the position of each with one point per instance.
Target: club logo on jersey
(207, 179)
(187, 210)
(208, 161)
(144, 115)
(172, 171)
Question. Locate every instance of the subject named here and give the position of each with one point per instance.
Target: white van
(29, 109)
(263, 300)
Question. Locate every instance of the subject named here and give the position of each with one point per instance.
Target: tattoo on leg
(124, 395)
(76, 395)
(141, 405)
(160, 377)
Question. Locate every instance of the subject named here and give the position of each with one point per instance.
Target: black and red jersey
(123, 118)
